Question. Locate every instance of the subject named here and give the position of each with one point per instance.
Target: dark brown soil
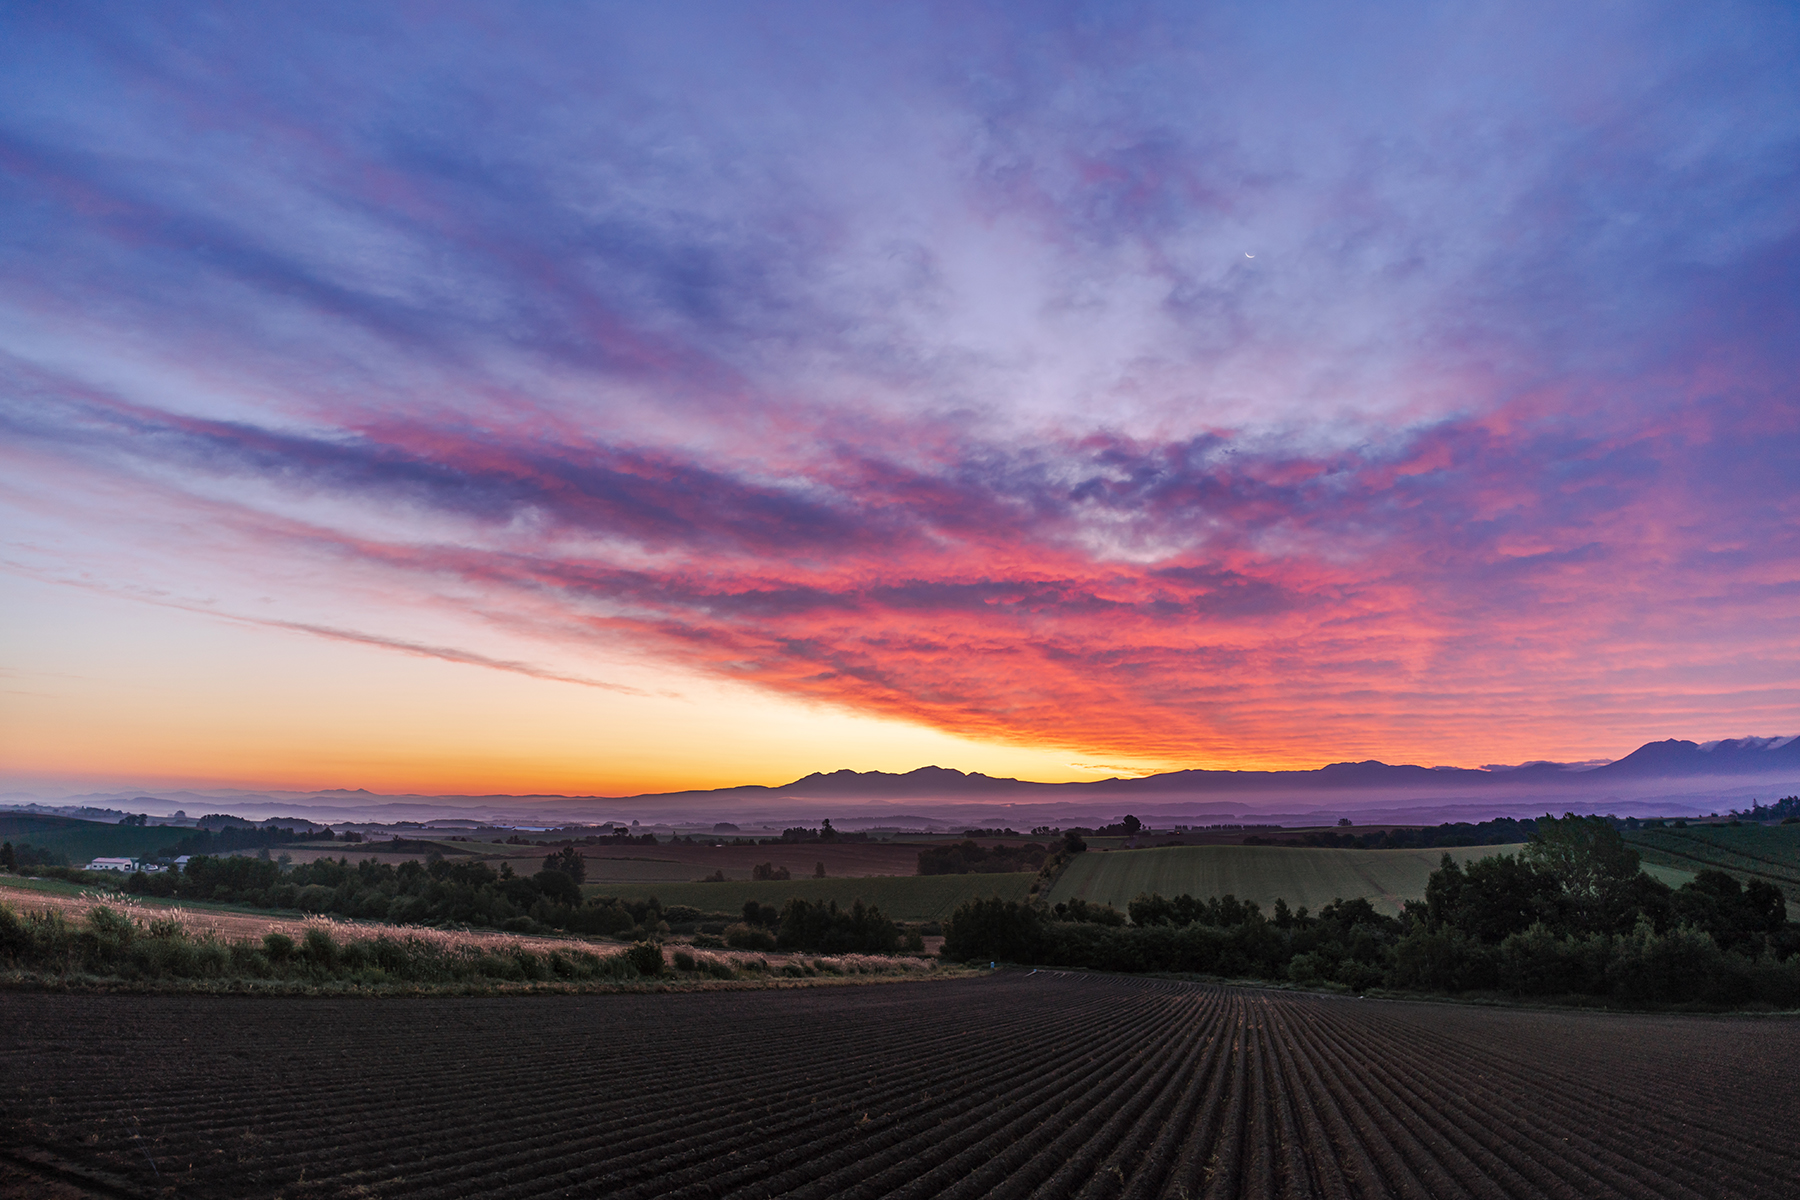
(1023, 1084)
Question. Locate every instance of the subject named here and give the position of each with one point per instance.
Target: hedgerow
(1571, 916)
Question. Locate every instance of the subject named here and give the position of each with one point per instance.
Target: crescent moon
(1247, 254)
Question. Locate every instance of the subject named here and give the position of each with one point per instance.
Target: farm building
(113, 864)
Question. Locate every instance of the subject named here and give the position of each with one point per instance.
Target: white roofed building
(113, 864)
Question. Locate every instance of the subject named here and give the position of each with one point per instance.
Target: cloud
(911, 361)
(1173, 600)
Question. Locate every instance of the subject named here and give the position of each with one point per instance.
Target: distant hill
(1665, 778)
(84, 841)
(1673, 759)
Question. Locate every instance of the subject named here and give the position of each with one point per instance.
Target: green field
(1673, 876)
(902, 897)
(84, 841)
(632, 871)
(1768, 852)
(1298, 874)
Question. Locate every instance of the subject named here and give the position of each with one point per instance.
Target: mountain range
(1673, 759)
(1666, 778)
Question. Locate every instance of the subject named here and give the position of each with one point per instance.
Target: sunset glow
(644, 400)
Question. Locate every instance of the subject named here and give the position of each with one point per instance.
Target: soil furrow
(1051, 1084)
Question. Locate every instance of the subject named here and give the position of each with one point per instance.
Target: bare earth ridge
(1019, 1084)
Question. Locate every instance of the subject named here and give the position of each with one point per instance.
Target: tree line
(1572, 915)
(415, 893)
(445, 892)
(1499, 832)
(816, 928)
(967, 857)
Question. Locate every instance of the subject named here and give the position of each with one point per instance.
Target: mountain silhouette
(1670, 759)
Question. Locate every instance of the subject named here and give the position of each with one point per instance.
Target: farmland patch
(1013, 1085)
(1308, 876)
(903, 897)
(1767, 852)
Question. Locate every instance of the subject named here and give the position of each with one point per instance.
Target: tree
(1733, 913)
(1591, 861)
(992, 929)
(8, 859)
(558, 887)
(1496, 897)
(818, 870)
(647, 957)
(570, 862)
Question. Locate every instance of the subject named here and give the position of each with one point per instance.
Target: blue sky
(1041, 390)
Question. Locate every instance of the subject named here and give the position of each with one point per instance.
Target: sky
(604, 399)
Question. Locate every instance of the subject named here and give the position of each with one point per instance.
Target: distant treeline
(1786, 809)
(412, 893)
(966, 857)
(1501, 831)
(1571, 916)
(249, 837)
(26, 855)
(825, 833)
(445, 892)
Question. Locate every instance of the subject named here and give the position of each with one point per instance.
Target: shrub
(992, 929)
(166, 927)
(1537, 962)
(14, 940)
(749, 937)
(1684, 964)
(647, 957)
(861, 929)
(1440, 959)
(321, 949)
(278, 946)
(1308, 969)
(108, 931)
(969, 857)
(684, 961)
(559, 887)
(1094, 914)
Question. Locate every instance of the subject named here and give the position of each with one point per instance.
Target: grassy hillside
(83, 841)
(1299, 875)
(1769, 852)
(902, 897)
(1673, 876)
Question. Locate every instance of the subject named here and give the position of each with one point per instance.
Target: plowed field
(1022, 1084)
